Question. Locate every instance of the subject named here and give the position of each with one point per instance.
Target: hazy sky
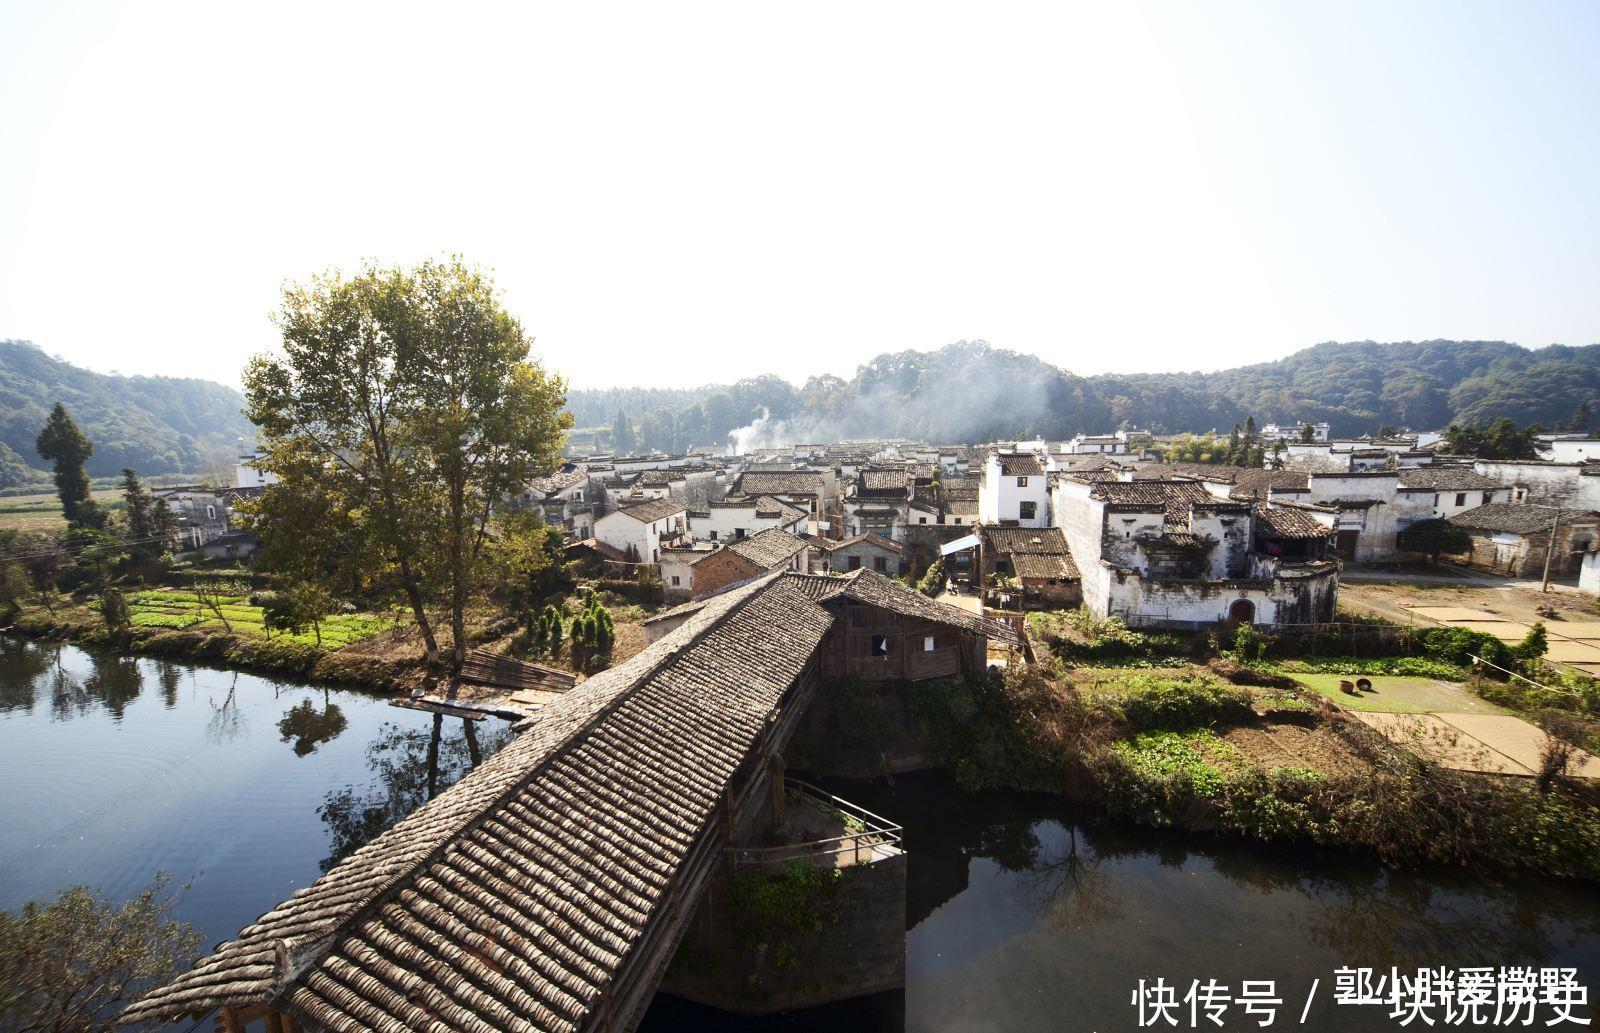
(688, 192)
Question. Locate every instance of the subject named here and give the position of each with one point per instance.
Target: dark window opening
(880, 645)
(855, 562)
(1027, 509)
(880, 564)
(1461, 498)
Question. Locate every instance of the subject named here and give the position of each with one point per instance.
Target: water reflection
(114, 682)
(22, 665)
(1021, 910)
(169, 676)
(409, 766)
(227, 717)
(310, 726)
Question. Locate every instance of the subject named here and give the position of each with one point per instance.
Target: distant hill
(970, 391)
(963, 392)
(156, 425)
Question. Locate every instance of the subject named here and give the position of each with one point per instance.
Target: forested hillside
(155, 425)
(970, 391)
(963, 392)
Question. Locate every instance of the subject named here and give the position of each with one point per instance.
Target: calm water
(117, 768)
(1020, 916)
(1017, 923)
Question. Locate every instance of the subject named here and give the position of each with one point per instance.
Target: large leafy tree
(67, 449)
(406, 398)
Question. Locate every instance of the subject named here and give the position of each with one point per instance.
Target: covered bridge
(548, 889)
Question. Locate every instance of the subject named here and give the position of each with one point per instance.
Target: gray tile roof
(655, 509)
(1289, 523)
(1516, 518)
(761, 482)
(767, 549)
(1019, 465)
(1448, 478)
(869, 538)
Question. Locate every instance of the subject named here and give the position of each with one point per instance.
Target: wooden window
(927, 643)
(855, 563)
(674, 579)
(1022, 482)
(880, 564)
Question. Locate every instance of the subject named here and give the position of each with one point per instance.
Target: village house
(734, 518)
(879, 502)
(1569, 448)
(1171, 554)
(644, 486)
(1373, 508)
(1098, 444)
(638, 532)
(201, 515)
(1291, 431)
(1039, 560)
(1014, 491)
(247, 472)
(804, 489)
(677, 564)
(1573, 485)
(750, 557)
(866, 550)
(566, 498)
(1514, 539)
(1456, 489)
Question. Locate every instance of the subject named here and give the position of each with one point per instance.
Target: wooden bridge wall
(847, 648)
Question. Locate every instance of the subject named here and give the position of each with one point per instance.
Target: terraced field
(180, 611)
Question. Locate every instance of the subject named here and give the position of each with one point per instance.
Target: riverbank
(1183, 748)
(388, 662)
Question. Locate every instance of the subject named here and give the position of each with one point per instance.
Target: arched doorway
(1243, 611)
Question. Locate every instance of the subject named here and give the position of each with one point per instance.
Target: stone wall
(734, 960)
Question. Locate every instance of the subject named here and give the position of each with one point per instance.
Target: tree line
(972, 392)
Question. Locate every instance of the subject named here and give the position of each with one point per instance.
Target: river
(1021, 914)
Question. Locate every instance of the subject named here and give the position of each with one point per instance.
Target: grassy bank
(1182, 748)
(167, 623)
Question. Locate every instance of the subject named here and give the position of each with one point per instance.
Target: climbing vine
(783, 908)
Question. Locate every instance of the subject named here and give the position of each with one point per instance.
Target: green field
(1399, 694)
(178, 611)
(41, 511)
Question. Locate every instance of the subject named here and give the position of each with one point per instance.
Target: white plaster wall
(1573, 451)
(1445, 505)
(1000, 497)
(727, 520)
(1545, 484)
(1082, 522)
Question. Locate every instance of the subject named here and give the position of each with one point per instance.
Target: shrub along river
(1021, 914)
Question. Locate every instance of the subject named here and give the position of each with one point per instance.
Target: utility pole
(1550, 547)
